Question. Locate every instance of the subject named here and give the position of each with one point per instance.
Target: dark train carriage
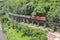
(28, 19)
(17, 18)
(25, 18)
(21, 17)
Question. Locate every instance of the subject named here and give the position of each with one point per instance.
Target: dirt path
(2, 35)
(53, 36)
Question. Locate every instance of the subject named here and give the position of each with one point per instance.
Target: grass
(12, 34)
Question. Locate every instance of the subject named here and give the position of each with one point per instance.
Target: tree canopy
(47, 8)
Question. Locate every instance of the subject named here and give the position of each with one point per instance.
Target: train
(33, 19)
(29, 19)
(38, 18)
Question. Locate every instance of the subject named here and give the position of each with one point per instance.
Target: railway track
(32, 19)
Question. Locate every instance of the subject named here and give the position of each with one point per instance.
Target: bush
(34, 33)
(34, 38)
(26, 30)
(43, 37)
(19, 27)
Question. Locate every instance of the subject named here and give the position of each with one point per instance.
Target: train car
(39, 20)
(25, 18)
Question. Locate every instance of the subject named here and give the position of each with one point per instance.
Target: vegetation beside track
(18, 31)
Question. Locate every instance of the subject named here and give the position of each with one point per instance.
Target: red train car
(38, 18)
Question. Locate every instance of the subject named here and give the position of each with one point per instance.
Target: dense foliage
(19, 31)
(47, 8)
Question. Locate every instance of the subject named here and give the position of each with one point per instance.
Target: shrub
(34, 33)
(34, 38)
(19, 27)
(26, 30)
